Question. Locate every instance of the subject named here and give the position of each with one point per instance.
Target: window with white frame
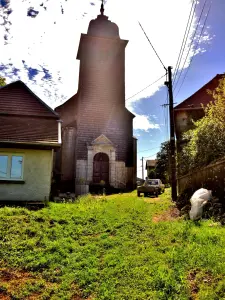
(11, 166)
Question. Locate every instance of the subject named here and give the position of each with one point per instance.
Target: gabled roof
(67, 102)
(102, 140)
(17, 98)
(201, 97)
(25, 118)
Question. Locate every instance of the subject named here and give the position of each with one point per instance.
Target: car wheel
(145, 194)
(139, 194)
(156, 195)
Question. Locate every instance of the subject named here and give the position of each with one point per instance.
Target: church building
(98, 147)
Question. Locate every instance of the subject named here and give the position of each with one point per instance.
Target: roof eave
(190, 97)
(41, 143)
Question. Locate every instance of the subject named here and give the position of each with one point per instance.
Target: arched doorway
(101, 168)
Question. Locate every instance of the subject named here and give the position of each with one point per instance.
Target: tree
(206, 142)
(162, 165)
(2, 81)
(152, 174)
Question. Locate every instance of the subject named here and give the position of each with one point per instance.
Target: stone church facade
(98, 146)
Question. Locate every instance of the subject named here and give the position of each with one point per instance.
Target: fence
(211, 177)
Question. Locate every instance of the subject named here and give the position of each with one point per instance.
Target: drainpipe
(59, 131)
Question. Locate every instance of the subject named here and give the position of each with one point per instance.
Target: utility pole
(142, 165)
(172, 137)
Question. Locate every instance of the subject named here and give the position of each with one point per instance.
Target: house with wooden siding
(29, 134)
(98, 146)
(192, 108)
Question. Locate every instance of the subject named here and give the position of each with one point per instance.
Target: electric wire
(192, 40)
(150, 155)
(184, 41)
(153, 47)
(144, 157)
(149, 149)
(146, 87)
(196, 47)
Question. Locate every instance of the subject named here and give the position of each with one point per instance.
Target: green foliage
(152, 174)
(2, 81)
(206, 141)
(162, 165)
(109, 247)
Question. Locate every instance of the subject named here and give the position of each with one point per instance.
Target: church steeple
(102, 8)
(102, 27)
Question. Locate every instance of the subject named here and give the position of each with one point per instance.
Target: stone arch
(104, 145)
(101, 168)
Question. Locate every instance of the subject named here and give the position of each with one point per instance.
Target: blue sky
(39, 40)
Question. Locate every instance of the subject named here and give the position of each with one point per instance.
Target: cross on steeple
(102, 8)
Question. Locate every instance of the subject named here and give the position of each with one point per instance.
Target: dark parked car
(140, 181)
(151, 187)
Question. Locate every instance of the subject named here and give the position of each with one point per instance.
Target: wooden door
(101, 168)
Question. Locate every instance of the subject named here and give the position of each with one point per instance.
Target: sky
(39, 41)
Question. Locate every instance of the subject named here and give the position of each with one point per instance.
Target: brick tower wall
(102, 97)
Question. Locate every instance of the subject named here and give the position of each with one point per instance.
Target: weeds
(109, 247)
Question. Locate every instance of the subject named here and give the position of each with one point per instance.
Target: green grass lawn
(113, 247)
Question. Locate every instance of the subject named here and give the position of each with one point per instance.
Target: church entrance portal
(101, 168)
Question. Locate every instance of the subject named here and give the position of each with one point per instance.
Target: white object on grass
(198, 200)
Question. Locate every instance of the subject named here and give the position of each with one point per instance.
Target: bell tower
(98, 143)
(102, 62)
(101, 85)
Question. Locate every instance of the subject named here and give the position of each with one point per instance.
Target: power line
(196, 47)
(144, 157)
(192, 40)
(153, 47)
(186, 33)
(149, 149)
(150, 155)
(146, 87)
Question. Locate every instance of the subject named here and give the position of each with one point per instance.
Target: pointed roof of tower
(102, 27)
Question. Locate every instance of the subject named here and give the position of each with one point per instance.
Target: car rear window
(153, 182)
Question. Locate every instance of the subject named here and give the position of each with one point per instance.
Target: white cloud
(51, 40)
(143, 122)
